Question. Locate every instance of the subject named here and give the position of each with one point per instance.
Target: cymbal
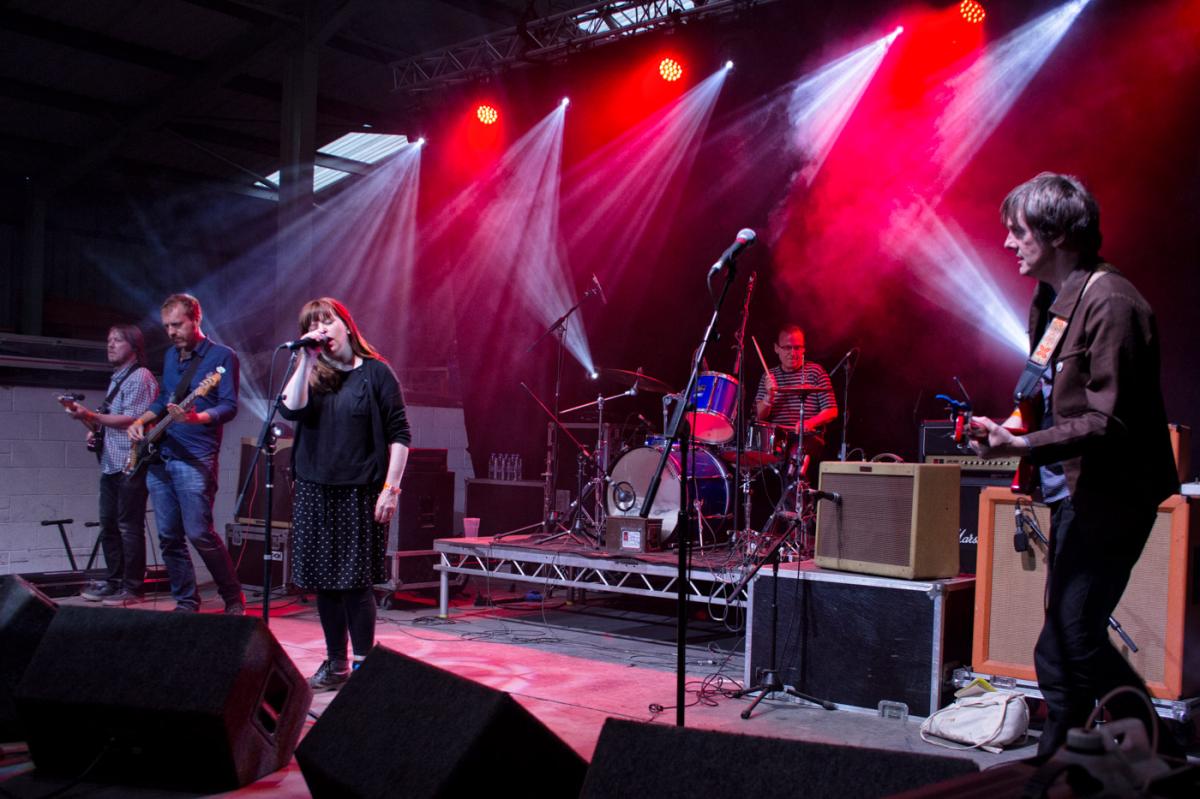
(799, 389)
(644, 381)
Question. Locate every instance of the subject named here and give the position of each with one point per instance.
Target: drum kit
(768, 472)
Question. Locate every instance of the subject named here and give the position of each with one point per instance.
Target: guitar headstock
(69, 400)
(210, 381)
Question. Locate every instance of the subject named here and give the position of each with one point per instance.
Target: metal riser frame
(576, 571)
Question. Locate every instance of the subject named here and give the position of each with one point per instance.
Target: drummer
(774, 404)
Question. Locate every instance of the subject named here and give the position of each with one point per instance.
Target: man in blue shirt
(184, 484)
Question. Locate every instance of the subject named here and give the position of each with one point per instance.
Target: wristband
(391, 489)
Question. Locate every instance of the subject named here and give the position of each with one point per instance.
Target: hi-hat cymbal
(644, 381)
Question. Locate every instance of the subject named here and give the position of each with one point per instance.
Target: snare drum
(630, 477)
(766, 445)
(715, 401)
(771, 444)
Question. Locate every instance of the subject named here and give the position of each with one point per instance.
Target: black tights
(349, 612)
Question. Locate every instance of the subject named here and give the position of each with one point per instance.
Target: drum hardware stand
(577, 527)
(679, 432)
(551, 440)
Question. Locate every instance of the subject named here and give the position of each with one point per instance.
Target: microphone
(832, 496)
(302, 344)
(745, 238)
(845, 361)
(599, 288)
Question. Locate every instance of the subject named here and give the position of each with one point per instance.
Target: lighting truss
(547, 37)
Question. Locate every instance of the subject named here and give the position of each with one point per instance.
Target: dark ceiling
(194, 90)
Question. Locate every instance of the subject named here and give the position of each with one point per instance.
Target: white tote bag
(987, 721)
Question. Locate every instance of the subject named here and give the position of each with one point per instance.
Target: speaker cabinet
(254, 504)
(184, 701)
(25, 615)
(401, 727)
(894, 519)
(426, 509)
(638, 759)
(1160, 609)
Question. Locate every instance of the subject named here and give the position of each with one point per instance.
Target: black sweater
(342, 438)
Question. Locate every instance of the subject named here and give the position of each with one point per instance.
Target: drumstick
(761, 359)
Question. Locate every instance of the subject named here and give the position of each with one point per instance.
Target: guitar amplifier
(253, 507)
(894, 519)
(1160, 609)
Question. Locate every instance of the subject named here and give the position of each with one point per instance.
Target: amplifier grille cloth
(1018, 585)
(873, 522)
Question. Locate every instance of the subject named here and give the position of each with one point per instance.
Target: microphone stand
(679, 431)
(559, 327)
(849, 370)
(267, 439)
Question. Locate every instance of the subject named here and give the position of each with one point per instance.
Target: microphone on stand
(845, 361)
(302, 344)
(599, 288)
(745, 238)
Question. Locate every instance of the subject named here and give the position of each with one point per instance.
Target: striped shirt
(786, 410)
(132, 399)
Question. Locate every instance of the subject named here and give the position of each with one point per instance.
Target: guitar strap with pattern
(1044, 352)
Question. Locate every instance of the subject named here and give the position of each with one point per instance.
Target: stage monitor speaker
(403, 727)
(1160, 610)
(426, 509)
(25, 615)
(638, 759)
(894, 519)
(182, 701)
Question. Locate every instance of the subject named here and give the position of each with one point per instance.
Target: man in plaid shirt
(122, 499)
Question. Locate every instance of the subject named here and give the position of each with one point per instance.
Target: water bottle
(493, 467)
(520, 471)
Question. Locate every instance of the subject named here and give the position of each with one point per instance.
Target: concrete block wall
(46, 473)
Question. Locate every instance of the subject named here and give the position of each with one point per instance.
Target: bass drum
(709, 479)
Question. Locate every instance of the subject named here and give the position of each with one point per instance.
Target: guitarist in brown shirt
(1102, 446)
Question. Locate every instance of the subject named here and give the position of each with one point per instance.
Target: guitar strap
(185, 379)
(1047, 348)
(98, 436)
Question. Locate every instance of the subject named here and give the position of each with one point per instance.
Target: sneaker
(326, 679)
(97, 592)
(123, 598)
(182, 608)
(235, 609)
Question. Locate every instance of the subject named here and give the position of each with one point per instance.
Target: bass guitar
(145, 451)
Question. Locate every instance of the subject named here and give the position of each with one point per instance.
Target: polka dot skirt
(336, 543)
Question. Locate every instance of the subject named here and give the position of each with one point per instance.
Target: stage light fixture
(670, 70)
(421, 142)
(566, 101)
(728, 65)
(972, 11)
(487, 114)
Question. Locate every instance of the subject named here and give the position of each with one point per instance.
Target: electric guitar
(146, 451)
(95, 441)
(1017, 423)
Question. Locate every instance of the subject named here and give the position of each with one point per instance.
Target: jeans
(1090, 561)
(123, 530)
(183, 493)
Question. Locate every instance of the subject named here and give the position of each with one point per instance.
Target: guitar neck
(161, 426)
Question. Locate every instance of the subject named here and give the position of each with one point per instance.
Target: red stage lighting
(487, 114)
(972, 11)
(670, 70)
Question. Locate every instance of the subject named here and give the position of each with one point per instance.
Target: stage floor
(572, 665)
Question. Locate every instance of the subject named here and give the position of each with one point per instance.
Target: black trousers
(123, 530)
(1091, 556)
